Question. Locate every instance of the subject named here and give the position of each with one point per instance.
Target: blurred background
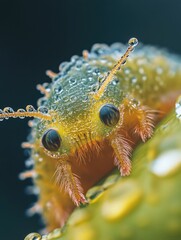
(39, 35)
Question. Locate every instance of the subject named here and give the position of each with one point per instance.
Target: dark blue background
(38, 35)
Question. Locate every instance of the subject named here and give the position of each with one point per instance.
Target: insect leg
(122, 150)
(139, 120)
(136, 121)
(70, 182)
(145, 123)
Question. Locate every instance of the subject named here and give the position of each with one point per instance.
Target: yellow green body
(144, 90)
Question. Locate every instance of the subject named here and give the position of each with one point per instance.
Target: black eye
(51, 140)
(109, 115)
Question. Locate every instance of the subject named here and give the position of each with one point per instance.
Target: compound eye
(51, 140)
(109, 115)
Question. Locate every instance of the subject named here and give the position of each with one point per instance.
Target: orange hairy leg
(137, 121)
(55, 201)
(69, 181)
(122, 151)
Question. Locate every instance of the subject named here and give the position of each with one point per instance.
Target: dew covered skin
(147, 71)
(145, 80)
(178, 107)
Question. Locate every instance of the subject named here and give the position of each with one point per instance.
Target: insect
(92, 114)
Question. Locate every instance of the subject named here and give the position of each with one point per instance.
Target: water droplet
(54, 107)
(96, 72)
(30, 108)
(72, 81)
(90, 79)
(58, 89)
(83, 80)
(46, 86)
(21, 110)
(8, 110)
(56, 78)
(141, 70)
(73, 98)
(40, 160)
(167, 163)
(178, 108)
(123, 63)
(35, 209)
(110, 181)
(114, 82)
(56, 98)
(89, 69)
(32, 190)
(75, 58)
(29, 162)
(133, 42)
(99, 49)
(62, 65)
(134, 102)
(42, 101)
(43, 110)
(79, 64)
(120, 200)
(48, 205)
(126, 70)
(159, 70)
(141, 61)
(103, 61)
(101, 78)
(118, 47)
(144, 78)
(133, 80)
(54, 234)
(85, 99)
(1, 112)
(33, 236)
(65, 98)
(94, 193)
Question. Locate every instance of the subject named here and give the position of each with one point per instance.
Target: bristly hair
(84, 144)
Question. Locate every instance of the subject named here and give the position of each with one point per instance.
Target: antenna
(132, 44)
(30, 111)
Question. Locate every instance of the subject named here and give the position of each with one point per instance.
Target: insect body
(91, 117)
